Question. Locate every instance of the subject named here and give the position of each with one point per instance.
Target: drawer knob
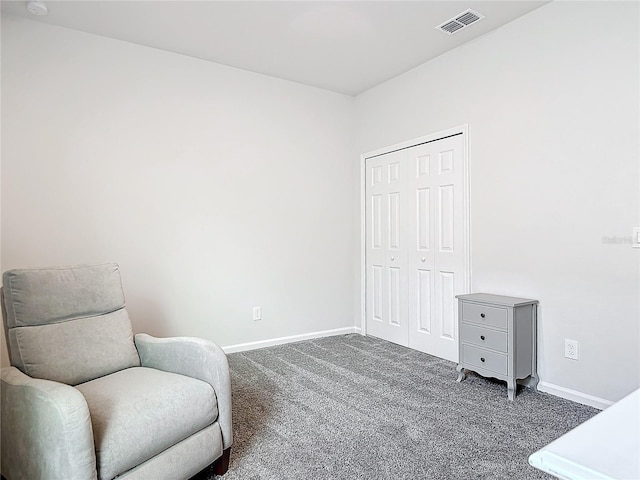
(481, 337)
(482, 359)
(482, 315)
(392, 259)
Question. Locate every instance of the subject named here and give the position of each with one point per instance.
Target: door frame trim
(466, 221)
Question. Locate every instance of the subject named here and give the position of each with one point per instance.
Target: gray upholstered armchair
(85, 400)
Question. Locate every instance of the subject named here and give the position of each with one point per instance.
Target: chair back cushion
(68, 324)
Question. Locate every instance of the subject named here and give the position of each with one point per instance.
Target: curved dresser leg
(511, 389)
(461, 374)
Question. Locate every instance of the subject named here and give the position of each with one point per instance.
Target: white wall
(552, 101)
(215, 189)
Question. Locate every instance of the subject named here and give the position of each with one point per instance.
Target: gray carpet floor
(354, 407)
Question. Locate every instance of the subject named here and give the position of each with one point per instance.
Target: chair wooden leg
(221, 465)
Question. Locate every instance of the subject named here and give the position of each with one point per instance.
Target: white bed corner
(605, 447)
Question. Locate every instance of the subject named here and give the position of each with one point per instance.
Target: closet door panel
(437, 250)
(386, 257)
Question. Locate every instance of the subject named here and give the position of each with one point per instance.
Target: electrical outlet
(571, 349)
(257, 313)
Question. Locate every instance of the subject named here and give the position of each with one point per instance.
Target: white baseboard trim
(242, 347)
(574, 395)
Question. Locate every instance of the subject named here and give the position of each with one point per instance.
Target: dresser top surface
(496, 299)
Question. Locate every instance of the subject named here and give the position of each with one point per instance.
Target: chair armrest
(46, 429)
(196, 358)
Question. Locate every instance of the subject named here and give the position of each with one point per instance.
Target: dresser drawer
(495, 317)
(496, 362)
(484, 337)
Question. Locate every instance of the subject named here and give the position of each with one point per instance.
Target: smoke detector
(38, 9)
(460, 21)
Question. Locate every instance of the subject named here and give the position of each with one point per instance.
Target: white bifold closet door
(415, 245)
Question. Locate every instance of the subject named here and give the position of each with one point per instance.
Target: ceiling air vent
(460, 21)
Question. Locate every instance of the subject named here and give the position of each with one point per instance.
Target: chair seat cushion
(139, 412)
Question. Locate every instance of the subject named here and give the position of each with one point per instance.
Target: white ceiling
(344, 46)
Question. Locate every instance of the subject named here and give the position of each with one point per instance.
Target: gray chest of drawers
(497, 338)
